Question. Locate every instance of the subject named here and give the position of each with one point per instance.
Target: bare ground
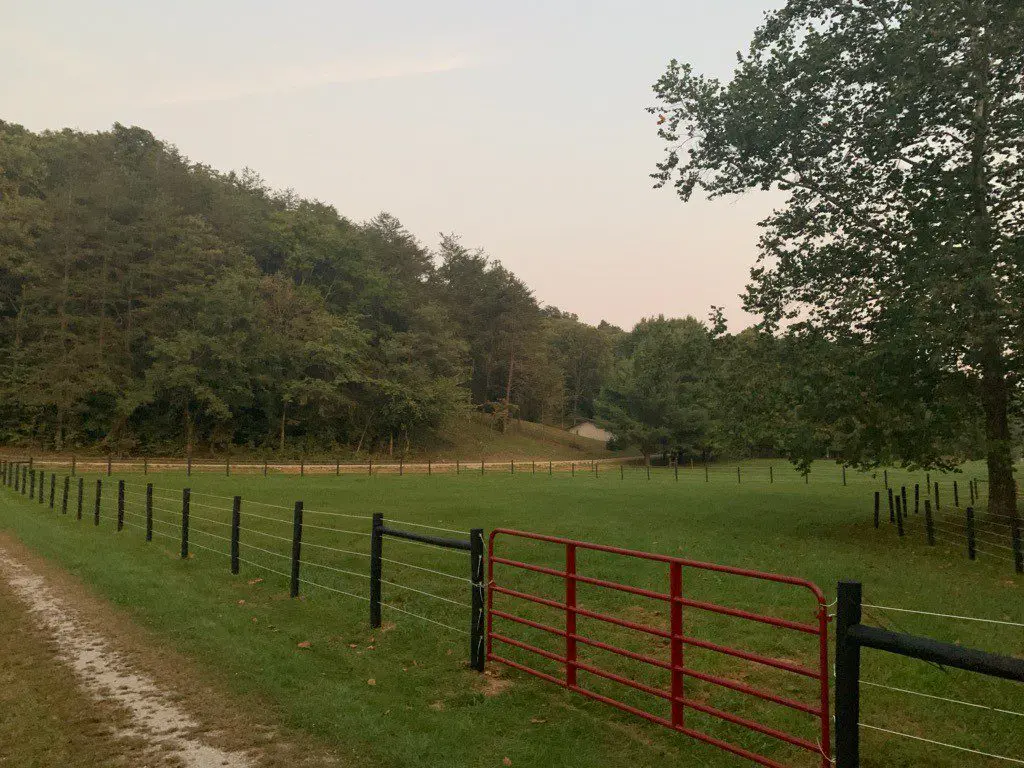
(107, 695)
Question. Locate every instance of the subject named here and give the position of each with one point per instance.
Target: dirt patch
(490, 684)
(106, 676)
(169, 707)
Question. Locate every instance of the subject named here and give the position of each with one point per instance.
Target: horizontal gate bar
(739, 751)
(703, 676)
(424, 538)
(745, 655)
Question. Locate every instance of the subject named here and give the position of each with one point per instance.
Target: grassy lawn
(402, 696)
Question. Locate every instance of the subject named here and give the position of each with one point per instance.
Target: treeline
(684, 388)
(151, 303)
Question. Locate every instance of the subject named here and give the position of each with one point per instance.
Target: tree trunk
(1002, 489)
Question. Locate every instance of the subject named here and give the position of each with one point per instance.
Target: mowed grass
(402, 696)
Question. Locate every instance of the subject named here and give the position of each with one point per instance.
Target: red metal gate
(675, 636)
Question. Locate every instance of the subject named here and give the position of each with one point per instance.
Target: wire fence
(617, 467)
(330, 554)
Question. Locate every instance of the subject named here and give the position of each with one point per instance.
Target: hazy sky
(520, 125)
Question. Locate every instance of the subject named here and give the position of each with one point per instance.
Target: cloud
(314, 75)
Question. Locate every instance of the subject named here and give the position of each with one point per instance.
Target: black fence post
(956, 494)
(53, 488)
(844, 474)
(885, 474)
(302, 467)
(42, 490)
(120, 505)
(476, 577)
(512, 467)
(676, 468)
(972, 551)
(458, 468)
(264, 467)
(549, 468)
(938, 508)
(771, 475)
(186, 503)
(648, 471)
(929, 522)
(376, 552)
(917, 498)
(227, 466)
(188, 466)
(236, 531)
(847, 695)
(892, 509)
(903, 495)
(481, 466)
(899, 517)
(64, 497)
(145, 465)
(296, 547)
(17, 477)
(622, 472)
(970, 490)
(81, 495)
(24, 476)
(737, 475)
(706, 472)
(99, 496)
(149, 511)
(337, 467)
(430, 467)
(878, 499)
(73, 467)
(32, 486)
(573, 469)
(533, 467)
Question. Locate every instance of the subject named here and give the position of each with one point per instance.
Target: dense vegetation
(148, 303)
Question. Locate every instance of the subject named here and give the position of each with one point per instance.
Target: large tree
(896, 130)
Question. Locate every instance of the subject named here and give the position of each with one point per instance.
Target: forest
(152, 304)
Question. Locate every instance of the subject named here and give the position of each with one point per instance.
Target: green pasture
(403, 696)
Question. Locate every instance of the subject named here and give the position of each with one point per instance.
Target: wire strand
(431, 527)
(942, 615)
(942, 698)
(423, 618)
(943, 744)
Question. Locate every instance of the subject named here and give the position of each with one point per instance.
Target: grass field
(402, 696)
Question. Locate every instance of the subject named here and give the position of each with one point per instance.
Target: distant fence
(998, 535)
(620, 467)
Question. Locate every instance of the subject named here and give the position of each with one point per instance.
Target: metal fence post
(844, 474)
(296, 547)
(847, 695)
(120, 505)
(236, 531)
(376, 552)
(899, 517)
(64, 497)
(186, 502)
(570, 615)
(892, 509)
(42, 490)
(149, 511)
(877, 502)
(53, 488)
(929, 522)
(675, 583)
(903, 495)
(73, 467)
(32, 486)
(99, 496)
(476, 577)
(917, 498)
(956, 494)
(81, 495)
(938, 508)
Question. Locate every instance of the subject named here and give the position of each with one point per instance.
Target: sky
(520, 126)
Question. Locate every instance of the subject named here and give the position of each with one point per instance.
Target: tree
(658, 397)
(896, 130)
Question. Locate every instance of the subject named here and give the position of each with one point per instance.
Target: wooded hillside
(148, 302)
